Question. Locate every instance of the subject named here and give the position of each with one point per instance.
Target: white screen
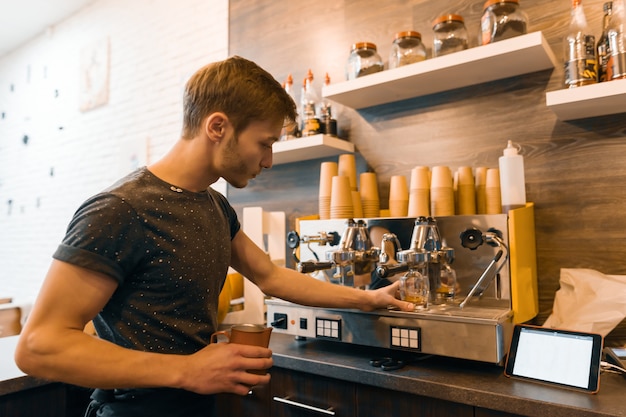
(555, 357)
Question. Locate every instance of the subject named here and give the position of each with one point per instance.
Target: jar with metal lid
(450, 34)
(502, 19)
(363, 60)
(407, 48)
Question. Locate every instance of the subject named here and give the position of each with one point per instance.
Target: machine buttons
(406, 337)
(303, 323)
(328, 328)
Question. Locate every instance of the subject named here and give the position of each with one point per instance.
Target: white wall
(155, 45)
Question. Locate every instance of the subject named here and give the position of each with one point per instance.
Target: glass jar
(415, 288)
(363, 60)
(502, 19)
(450, 34)
(407, 48)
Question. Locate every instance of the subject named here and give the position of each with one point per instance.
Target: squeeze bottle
(512, 183)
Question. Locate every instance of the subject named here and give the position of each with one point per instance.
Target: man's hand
(386, 296)
(222, 367)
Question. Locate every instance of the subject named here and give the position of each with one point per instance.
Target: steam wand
(472, 239)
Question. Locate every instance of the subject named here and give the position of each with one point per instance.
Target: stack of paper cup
(328, 170)
(466, 191)
(398, 196)
(419, 192)
(441, 192)
(341, 198)
(492, 191)
(481, 196)
(357, 207)
(368, 188)
(347, 167)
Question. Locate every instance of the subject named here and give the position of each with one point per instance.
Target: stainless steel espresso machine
(470, 277)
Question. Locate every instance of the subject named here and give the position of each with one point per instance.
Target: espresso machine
(476, 276)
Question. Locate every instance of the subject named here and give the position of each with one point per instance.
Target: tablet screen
(565, 358)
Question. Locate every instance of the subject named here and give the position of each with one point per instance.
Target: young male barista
(146, 258)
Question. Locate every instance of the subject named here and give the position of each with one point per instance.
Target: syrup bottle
(580, 50)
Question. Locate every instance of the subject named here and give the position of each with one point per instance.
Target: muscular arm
(53, 345)
(291, 285)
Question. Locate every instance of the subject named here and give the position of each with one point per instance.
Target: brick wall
(69, 154)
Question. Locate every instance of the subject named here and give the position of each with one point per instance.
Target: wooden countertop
(462, 381)
(466, 382)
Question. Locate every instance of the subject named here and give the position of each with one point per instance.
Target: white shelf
(310, 147)
(516, 56)
(588, 101)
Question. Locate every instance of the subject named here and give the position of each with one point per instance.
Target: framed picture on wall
(94, 75)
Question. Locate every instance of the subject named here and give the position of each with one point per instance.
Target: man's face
(244, 156)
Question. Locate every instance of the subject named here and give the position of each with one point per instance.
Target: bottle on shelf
(616, 33)
(291, 130)
(309, 102)
(329, 125)
(512, 181)
(603, 48)
(581, 65)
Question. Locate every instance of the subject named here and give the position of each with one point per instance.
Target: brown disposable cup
(420, 178)
(441, 201)
(368, 186)
(328, 170)
(398, 188)
(492, 192)
(398, 208)
(419, 202)
(441, 177)
(347, 167)
(341, 194)
(466, 191)
(357, 206)
(246, 334)
(481, 196)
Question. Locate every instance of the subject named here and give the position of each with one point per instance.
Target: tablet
(562, 358)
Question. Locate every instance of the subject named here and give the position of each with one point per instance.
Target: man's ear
(215, 126)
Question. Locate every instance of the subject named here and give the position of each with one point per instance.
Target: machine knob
(471, 238)
(293, 239)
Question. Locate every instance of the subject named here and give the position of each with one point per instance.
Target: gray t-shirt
(168, 248)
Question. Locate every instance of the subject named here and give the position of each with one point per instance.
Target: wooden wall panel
(575, 171)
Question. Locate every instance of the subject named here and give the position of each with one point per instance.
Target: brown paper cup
(492, 192)
(328, 170)
(368, 186)
(481, 197)
(466, 191)
(441, 177)
(398, 188)
(347, 167)
(420, 178)
(246, 334)
(357, 206)
(398, 208)
(419, 202)
(442, 201)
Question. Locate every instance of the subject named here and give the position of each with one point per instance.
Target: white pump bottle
(512, 181)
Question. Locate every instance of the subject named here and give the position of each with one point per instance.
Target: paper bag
(588, 301)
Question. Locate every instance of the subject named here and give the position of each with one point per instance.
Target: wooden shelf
(516, 56)
(588, 101)
(310, 147)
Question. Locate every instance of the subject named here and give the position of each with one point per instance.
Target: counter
(461, 381)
